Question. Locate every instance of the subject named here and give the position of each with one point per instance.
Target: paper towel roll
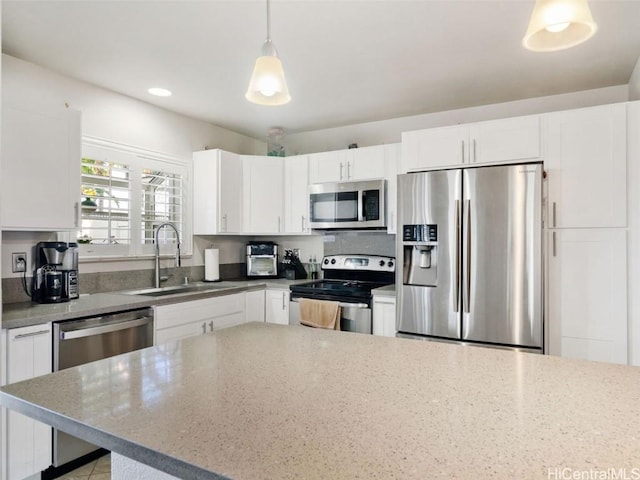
(211, 264)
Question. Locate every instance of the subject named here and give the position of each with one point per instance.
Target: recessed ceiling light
(159, 92)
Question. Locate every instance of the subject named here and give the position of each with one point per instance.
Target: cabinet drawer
(189, 312)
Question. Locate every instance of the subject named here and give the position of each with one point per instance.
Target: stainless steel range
(348, 279)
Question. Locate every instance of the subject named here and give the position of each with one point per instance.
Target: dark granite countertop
(24, 314)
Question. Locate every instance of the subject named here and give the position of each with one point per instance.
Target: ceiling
(346, 62)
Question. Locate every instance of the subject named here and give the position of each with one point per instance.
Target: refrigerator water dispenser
(420, 255)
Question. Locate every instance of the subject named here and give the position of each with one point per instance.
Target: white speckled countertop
(28, 313)
(386, 291)
(262, 401)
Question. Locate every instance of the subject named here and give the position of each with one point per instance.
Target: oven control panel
(373, 263)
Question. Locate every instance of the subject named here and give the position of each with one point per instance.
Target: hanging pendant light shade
(559, 24)
(268, 85)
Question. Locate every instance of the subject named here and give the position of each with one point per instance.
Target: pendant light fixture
(559, 24)
(268, 85)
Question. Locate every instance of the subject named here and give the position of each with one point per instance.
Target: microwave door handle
(362, 205)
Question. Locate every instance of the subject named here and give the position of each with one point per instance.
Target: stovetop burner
(349, 287)
(349, 276)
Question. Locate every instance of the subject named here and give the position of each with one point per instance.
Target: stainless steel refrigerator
(470, 243)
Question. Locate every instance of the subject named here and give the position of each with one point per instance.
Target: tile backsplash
(13, 292)
(361, 242)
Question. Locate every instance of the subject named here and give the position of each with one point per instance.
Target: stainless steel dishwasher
(84, 340)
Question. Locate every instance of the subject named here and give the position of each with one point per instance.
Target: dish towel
(320, 313)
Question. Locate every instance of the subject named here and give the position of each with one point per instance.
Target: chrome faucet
(155, 236)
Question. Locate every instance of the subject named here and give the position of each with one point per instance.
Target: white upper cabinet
(497, 141)
(40, 180)
(217, 192)
(435, 147)
(264, 194)
(328, 166)
(296, 195)
(231, 193)
(366, 163)
(505, 140)
(392, 157)
(586, 163)
(347, 165)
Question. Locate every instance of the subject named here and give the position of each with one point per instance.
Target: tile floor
(99, 469)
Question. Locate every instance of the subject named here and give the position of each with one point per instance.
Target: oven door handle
(342, 304)
(114, 327)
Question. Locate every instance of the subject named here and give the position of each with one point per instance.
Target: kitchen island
(271, 401)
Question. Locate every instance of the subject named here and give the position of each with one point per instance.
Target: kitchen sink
(162, 291)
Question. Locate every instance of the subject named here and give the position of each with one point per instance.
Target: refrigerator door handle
(467, 282)
(456, 284)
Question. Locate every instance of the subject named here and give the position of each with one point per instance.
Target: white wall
(119, 118)
(389, 131)
(634, 82)
(633, 272)
(115, 117)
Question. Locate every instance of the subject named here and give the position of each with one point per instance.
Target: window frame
(138, 159)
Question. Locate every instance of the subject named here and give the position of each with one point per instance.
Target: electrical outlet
(19, 263)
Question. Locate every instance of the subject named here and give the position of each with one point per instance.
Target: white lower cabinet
(254, 306)
(587, 293)
(26, 442)
(384, 316)
(187, 319)
(277, 306)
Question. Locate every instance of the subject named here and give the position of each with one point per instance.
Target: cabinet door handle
(303, 228)
(462, 151)
(341, 168)
(475, 156)
(279, 224)
(204, 327)
(76, 214)
(211, 325)
(553, 214)
(284, 307)
(224, 222)
(348, 170)
(553, 243)
(32, 334)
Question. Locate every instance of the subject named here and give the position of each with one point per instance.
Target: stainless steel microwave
(348, 205)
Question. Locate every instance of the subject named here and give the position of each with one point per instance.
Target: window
(126, 194)
(106, 192)
(162, 194)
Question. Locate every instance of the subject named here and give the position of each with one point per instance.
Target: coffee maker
(55, 278)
